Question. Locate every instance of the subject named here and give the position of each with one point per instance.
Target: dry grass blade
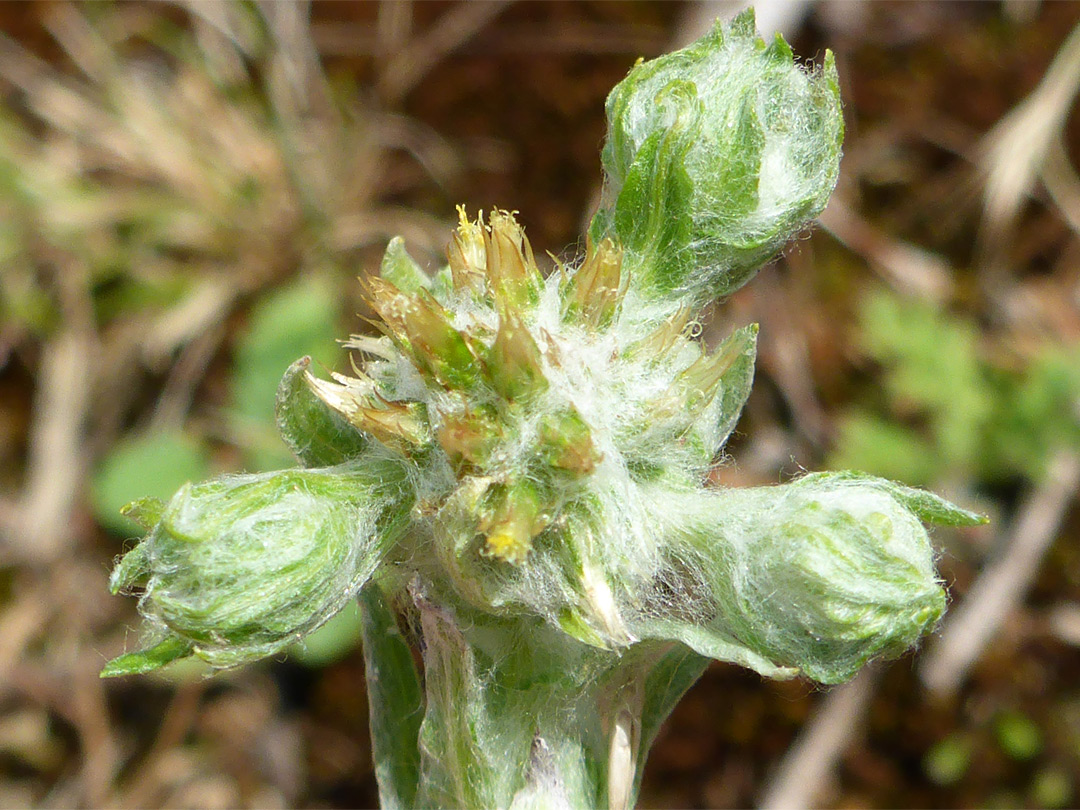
(1015, 150)
(1062, 183)
(413, 61)
(83, 44)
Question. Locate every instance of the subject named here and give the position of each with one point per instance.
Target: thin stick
(100, 759)
(55, 467)
(908, 268)
(414, 60)
(808, 764)
(142, 786)
(1002, 585)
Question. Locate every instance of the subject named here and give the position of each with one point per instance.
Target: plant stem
(515, 713)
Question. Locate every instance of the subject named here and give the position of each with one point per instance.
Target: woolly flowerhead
(237, 568)
(531, 405)
(818, 576)
(716, 156)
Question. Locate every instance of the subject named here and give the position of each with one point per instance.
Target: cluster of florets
(512, 390)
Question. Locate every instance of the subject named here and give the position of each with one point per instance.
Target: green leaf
(714, 644)
(401, 270)
(652, 212)
(693, 418)
(665, 685)
(735, 384)
(317, 435)
(152, 465)
(130, 568)
(925, 505)
(456, 767)
(145, 511)
(143, 661)
(396, 700)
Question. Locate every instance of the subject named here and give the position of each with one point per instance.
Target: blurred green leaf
(1052, 787)
(289, 322)
(870, 443)
(967, 415)
(152, 465)
(331, 642)
(933, 367)
(1018, 735)
(948, 760)
(1038, 412)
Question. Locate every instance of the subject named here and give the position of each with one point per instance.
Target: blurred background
(188, 192)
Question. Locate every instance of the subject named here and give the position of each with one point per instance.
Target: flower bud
(716, 156)
(239, 567)
(821, 575)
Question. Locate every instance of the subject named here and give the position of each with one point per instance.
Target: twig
(99, 761)
(187, 372)
(786, 356)
(55, 467)
(908, 268)
(418, 57)
(1001, 587)
(808, 764)
(19, 625)
(144, 783)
